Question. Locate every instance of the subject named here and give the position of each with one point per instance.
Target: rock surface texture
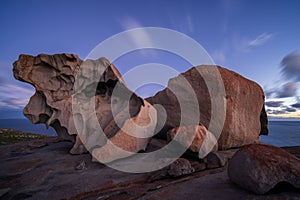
(75, 97)
(259, 168)
(49, 172)
(54, 77)
(245, 116)
(196, 138)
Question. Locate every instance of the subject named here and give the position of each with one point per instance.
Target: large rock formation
(245, 117)
(259, 168)
(98, 105)
(53, 77)
(78, 108)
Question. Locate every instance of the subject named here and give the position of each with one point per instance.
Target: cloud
(291, 66)
(13, 103)
(189, 23)
(138, 38)
(284, 91)
(274, 104)
(261, 39)
(276, 112)
(289, 109)
(282, 111)
(243, 44)
(218, 57)
(129, 23)
(14, 96)
(296, 105)
(287, 90)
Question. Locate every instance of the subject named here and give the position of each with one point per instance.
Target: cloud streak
(261, 39)
(290, 66)
(296, 105)
(287, 90)
(282, 111)
(14, 96)
(274, 104)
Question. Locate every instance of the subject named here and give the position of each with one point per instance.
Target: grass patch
(10, 136)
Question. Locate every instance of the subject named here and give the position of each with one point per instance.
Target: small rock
(260, 167)
(37, 144)
(198, 166)
(81, 166)
(215, 160)
(180, 167)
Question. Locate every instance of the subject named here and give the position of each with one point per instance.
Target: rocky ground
(44, 169)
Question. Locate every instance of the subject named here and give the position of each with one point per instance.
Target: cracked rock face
(259, 168)
(85, 108)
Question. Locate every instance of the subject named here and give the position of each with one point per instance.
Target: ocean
(281, 133)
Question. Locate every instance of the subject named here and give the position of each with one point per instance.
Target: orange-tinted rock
(200, 139)
(259, 168)
(245, 116)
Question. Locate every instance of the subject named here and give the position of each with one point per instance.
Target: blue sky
(258, 39)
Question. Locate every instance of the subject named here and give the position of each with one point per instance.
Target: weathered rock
(75, 98)
(53, 77)
(127, 141)
(180, 167)
(200, 139)
(245, 117)
(215, 160)
(259, 168)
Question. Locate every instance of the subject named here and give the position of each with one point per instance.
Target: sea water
(281, 133)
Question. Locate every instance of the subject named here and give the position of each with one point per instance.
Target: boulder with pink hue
(259, 168)
(241, 105)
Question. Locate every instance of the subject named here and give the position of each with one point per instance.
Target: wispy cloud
(238, 44)
(287, 90)
(274, 103)
(261, 39)
(189, 23)
(14, 96)
(281, 111)
(290, 66)
(129, 23)
(219, 57)
(138, 37)
(13, 103)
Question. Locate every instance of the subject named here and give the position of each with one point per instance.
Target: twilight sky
(258, 39)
